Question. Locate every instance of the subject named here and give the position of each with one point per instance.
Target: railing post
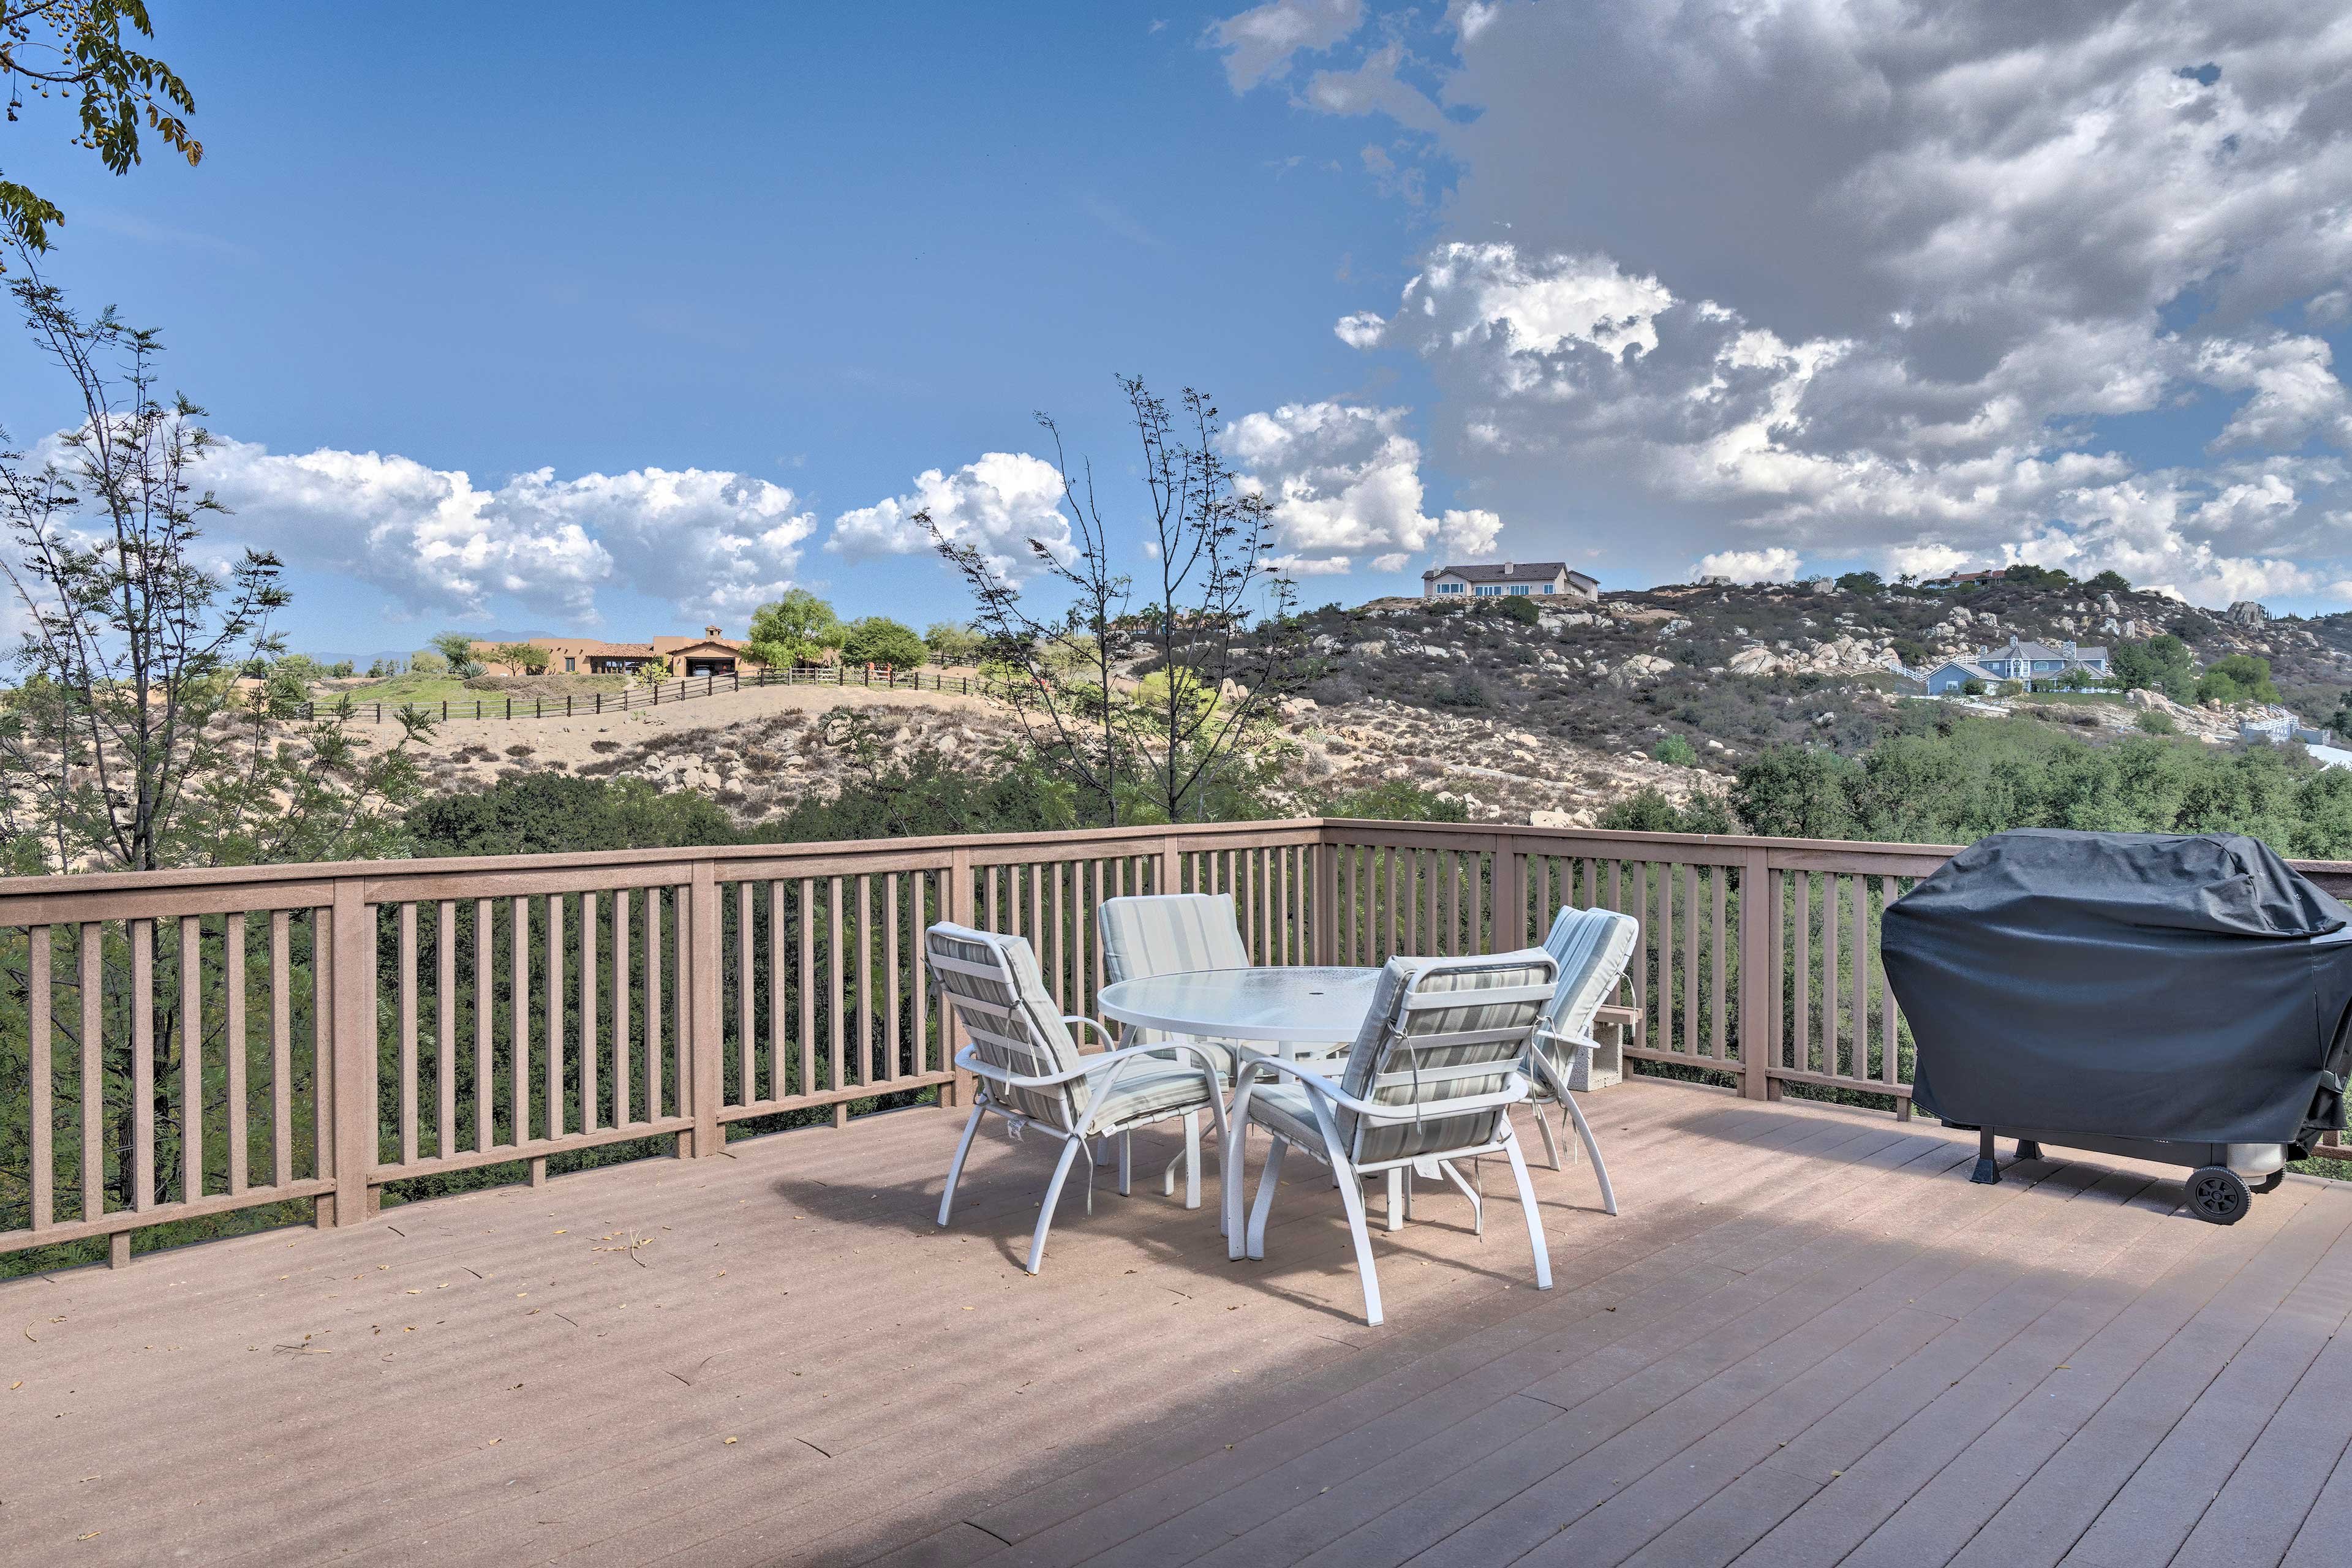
(353, 1022)
(707, 1022)
(960, 911)
(1170, 879)
(1323, 912)
(1759, 987)
(1509, 930)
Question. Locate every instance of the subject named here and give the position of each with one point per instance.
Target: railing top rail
(985, 846)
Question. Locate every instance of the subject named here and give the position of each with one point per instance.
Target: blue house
(2035, 664)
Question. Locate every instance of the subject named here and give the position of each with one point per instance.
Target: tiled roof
(1510, 571)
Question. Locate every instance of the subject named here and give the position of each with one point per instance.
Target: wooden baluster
(41, 1063)
(1860, 975)
(777, 1087)
(233, 994)
(1801, 966)
(890, 969)
(192, 1058)
(407, 1033)
(519, 1021)
(93, 1076)
(865, 973)
(921, 886)
(1829, 973)
(444, 1025)
(808, 986)
(590, 1106)
(281, 1047)
(555, 1096)
(1718, 966)
(485, 1020)
(838, 1040)
(747, 1087)
(622, 993)
(653, 1005)
(143, 1064)
(1664, 876)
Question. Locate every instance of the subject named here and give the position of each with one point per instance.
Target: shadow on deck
(1807, 1340)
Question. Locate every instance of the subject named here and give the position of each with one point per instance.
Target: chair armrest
(1111, 1041)
(969, 1059)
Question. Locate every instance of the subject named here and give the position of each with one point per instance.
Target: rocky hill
(1552, 722)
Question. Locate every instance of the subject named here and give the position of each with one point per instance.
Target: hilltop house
(1547, 578)
(710, 654)
(2030, 662)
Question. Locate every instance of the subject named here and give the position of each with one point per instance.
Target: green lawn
(435, 690)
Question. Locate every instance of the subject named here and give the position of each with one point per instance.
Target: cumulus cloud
(1344, 479)
(1259, 43)
(1777, 563)
(1878, 293)
(711, 543)
(999, 504)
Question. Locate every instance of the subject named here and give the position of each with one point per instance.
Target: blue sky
(1624, 286)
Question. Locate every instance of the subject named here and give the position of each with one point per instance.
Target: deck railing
(184, 1044)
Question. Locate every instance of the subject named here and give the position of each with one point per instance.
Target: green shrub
(1518, 608)
(1394, 800)
(1868, 584)
(1675, 749)
(1649, 811)
(2156, 722)
(953, 642)
(2240, 677)
(2109, 583)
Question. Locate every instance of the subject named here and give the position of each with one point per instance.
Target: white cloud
(1878, 290)
(999, 504)
(1776, 564)
(1393, 562)
(1259, 42)
(711, 542)
(1343, 479)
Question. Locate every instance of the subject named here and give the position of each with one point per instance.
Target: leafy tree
(1795, 792)
(1520, 608)
(1211, 544)
(879, 639)
(1394, 800)
(1912, 653)
(2240, 677)
(2109, 583)
(75, 48)
(522, 658)
(927, 793)
(1648, 810)
(133, 747)
(2154, 721)
(953, 642)
(457, 649)
(799, 629)
(426, 662)
(2159, 664)
(1868, 584)
(1675, 749)
(1972, 687)
(2025, 574)
(551, 812)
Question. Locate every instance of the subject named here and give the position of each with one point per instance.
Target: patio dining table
(1305, 1012)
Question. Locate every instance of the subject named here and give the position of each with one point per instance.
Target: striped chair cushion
(1384, 1047)
(1012, 1020)
(1593, 948)
(1170, 934)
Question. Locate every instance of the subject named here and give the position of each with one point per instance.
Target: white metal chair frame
(1549, 1079)
(1100, 1074)
(1326, 1098)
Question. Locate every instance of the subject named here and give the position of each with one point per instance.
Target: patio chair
(1430, 1080)
(1172, 933)
(1032, 1074)
(1593, 948)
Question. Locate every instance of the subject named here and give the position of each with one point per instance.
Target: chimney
(1506, 568)
(711, 632)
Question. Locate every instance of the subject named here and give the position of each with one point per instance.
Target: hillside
(1552, 722)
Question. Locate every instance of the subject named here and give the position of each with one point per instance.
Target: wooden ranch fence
(659, 692)
(176, 1044)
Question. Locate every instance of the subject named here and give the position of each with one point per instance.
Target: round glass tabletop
(1293, 1005)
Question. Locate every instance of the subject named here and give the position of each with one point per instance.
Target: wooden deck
(1808, 1340)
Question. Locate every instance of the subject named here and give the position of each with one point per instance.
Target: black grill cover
(2124, 985)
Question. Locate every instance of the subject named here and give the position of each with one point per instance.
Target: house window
(1449, 587)
(1490, 590)
(1545, 589)
(1519, 588)
(570, 664)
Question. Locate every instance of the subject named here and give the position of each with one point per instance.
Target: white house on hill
(1549, 579)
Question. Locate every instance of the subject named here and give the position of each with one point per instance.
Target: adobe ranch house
(2030, 662)
(710, 654)
(1542, 579)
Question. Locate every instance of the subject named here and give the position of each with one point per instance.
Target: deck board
(1808, 1337)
